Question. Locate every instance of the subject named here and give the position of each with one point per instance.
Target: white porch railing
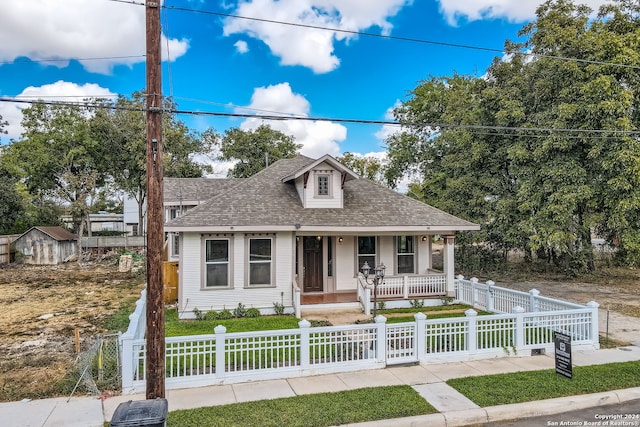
(402, 287)
(193, 361)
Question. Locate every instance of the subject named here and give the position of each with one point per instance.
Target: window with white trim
(216, 263)
(260, 262)
(405, 250)
(366, 251)
(175, 237)
(322, 185)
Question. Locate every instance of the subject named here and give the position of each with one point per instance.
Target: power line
(241, 107)
(605, 132)
(390, 37)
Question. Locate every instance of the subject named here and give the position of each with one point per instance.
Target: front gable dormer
(321, 183)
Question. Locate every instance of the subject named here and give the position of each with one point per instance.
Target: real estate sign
(563, 354)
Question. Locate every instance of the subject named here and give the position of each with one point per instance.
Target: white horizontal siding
(344, 261)
(192, 294)
(335, 201)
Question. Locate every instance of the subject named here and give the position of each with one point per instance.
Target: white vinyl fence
(525, 322)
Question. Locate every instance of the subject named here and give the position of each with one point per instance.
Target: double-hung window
(260, 262)
(366, 251)
(216, 263)
(406, 254)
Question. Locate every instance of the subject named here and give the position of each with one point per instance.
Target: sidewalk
(429, 380)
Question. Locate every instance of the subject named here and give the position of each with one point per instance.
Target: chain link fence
(36, 370)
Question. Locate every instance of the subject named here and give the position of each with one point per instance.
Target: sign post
(563, 354)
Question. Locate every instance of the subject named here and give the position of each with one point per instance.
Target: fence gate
(401, 343)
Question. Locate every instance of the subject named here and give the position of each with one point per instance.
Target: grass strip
(431, 316)
(312, 410)
(176, 328)
(502, 389)
(426, 310)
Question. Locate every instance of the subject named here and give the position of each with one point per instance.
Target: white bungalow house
(297, 234)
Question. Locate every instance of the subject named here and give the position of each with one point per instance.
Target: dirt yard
(43, 306)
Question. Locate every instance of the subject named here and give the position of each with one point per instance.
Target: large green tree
(366, 166)
(253, 149)
(58, 159)
(121, 127)
(11, 203)
(545, 189)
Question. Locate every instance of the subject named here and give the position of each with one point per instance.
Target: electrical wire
(387, 36)
(332, 119)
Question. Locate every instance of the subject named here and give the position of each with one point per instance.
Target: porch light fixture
(340, 240)
(318, 238)
(378, 276)
(424, 238)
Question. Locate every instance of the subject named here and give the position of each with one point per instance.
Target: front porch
(394, 292)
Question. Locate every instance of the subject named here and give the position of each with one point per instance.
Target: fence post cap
(474, 279)
(219, 329)
(518, 309)
(380, 319)
(420, 316)
(490, 283)
(304, 323)
(593, 304)
(534, 292)
(460, 276)
(470, 312)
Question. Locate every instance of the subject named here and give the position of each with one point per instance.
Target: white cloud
(53, 29)
(58, 91)
(512, 10)
(312, 48)
(317, 137)
(241, 46)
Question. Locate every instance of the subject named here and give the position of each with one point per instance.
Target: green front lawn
(312, 410)
(502, 389)
(176, 328)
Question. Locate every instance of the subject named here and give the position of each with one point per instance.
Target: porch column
(449, 264)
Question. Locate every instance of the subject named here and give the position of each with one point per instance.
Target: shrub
(224, 314)
(417, 303)
(239, 311)
(253, 312)
(446, 300)
(200, 315)
(278, 308)
(381, 305)
(211, 315)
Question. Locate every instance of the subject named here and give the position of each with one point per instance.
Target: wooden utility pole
(155, 308)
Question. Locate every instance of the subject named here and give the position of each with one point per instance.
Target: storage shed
(46, 245)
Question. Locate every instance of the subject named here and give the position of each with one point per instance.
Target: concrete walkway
(429, 380)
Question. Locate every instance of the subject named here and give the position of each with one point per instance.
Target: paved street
(623, 414)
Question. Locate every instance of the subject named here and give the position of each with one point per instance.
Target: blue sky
(220, 64)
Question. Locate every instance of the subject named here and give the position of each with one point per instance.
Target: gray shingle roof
(264, 200)
(194, 189)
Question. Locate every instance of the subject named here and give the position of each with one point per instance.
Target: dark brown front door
(312, 264)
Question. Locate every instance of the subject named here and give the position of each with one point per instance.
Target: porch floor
(312, 299)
